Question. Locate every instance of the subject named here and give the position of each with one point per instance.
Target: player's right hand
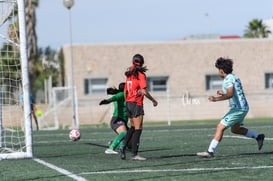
(212, 98)
(104, 101)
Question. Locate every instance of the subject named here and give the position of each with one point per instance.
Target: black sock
(135, 141)
(128, 136)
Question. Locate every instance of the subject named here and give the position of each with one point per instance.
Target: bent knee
(236, 130)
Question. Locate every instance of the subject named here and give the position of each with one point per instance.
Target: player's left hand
(220, 92)
(155, 103)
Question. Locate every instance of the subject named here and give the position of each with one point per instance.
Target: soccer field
(170, 152)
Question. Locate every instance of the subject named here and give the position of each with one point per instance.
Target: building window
(269, 80)
(157, 84)
(213, 82)
(95, 85)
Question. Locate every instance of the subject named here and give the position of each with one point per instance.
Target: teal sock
(117, 140)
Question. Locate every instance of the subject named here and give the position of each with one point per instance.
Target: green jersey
(119, 106)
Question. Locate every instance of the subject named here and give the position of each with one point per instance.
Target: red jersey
(133, 86)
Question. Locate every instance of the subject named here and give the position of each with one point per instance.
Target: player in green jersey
(119, 119)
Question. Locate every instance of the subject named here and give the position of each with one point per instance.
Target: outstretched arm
(104, 101)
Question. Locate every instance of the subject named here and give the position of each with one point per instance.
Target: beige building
(181, 76)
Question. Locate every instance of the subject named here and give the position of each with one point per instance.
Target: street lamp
(68, 4)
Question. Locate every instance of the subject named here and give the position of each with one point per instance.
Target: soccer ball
(39, 113)
(74, 134)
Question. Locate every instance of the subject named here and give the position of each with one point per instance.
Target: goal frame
(27, 121)
(55, 109)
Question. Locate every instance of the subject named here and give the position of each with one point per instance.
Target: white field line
(155, 130)
(159, 131)
(177, 170)
(240, 137)
(198, 129)
(60, 170)
(78, 178)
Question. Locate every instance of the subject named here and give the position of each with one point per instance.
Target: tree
(33, 53)
(43, 63)
(62, 70)
(9, 66)
(51, 65)
(256, 29)
(13, 33)
(47, 66)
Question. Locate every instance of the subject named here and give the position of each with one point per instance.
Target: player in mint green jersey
(119, 119)
(232, 90)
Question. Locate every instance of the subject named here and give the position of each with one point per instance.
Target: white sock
(213, 145)
(251, 134)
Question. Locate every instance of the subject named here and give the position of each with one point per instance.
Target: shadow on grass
(249, 154)
(96, 144)
(155, 149)
(146, 150)
(180, 155)
(220, 156)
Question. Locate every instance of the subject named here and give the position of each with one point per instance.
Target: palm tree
(37, 73)
(13, 33)
(33, 53)
(256, 29)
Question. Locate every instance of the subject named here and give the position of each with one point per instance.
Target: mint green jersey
(119, 106)
(238, 101)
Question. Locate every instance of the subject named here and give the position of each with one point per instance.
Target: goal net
(15, 120)
(62, 111)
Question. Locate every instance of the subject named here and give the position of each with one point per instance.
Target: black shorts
(116, 122)
(134, 110)
(32, 108)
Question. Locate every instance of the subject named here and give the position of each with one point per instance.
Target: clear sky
(115, 21)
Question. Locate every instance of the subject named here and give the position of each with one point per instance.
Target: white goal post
(60, 111)
(15, 120)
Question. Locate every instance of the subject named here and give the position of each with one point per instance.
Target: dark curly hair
(225, 64)
(138, 61)
(113, 90)
(121, 86)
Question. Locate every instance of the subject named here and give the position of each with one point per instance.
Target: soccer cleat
(122, 153)
(205, 154)
(110, 152)
(260, 141)
(137, 157)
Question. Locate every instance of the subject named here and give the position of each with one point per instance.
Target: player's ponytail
(138, 61)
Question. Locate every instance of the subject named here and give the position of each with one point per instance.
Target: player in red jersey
(135, 90)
